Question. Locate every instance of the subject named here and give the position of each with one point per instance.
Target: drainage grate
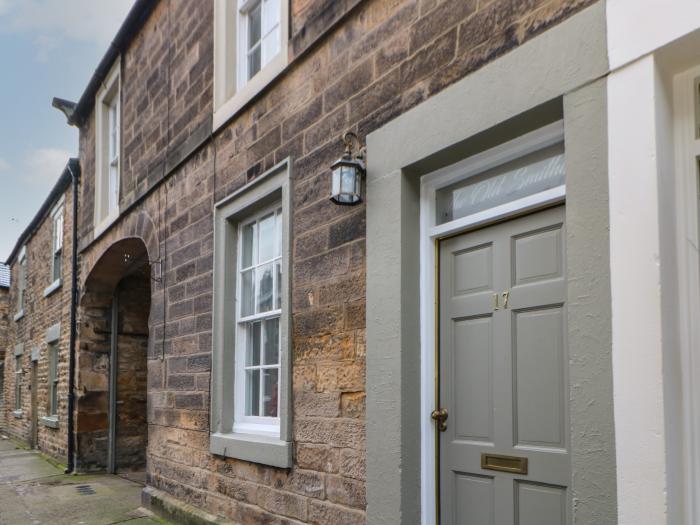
(84, 490)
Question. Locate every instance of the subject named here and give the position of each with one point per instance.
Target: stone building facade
(502, 330)
(179, 156)
(4, 338)
(352, 65)
(36, 343)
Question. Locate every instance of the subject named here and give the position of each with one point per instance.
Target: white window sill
(52, 287)
(19, 315)
(228, 108)
(266, 450)
(18, 414)
(50, 421)
(105, 223)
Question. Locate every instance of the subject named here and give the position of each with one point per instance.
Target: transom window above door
(527, 175)
(250, 50)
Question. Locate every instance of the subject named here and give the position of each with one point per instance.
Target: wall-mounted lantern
(347, 172)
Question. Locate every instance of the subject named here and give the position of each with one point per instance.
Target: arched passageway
(112, 362)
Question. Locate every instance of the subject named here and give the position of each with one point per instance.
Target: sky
(48, 48)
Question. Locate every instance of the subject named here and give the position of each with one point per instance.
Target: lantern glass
(346, 182)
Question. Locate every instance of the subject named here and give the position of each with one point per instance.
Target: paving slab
(33, 491)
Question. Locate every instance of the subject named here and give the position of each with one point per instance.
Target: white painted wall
(638, 27)
(638, 379)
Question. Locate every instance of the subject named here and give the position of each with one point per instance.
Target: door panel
(540, 504)
(538, 376)
(473, 379)
(503, 372)
(475, 499)
(473, 270)
(537, 256)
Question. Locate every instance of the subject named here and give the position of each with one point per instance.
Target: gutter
(75, 175)
(59, 187)
(135, 19)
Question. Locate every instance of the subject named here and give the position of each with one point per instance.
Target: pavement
(34, 490)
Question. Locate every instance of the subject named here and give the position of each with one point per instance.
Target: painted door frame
(430, 234)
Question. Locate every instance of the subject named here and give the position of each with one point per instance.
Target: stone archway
(111, 404)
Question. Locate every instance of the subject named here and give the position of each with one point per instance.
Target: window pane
(113, 186)
(267, 238)
(278, 242)
(270, 380)
(52, 378)
(264, 287)
(279, 286)
(252, 396)
(247, 293)
(254, 23)
(271, 15)
(58, 232)
(113, 131)
(272, 338)
(253, 344)
(248, 245)
(254, 33)
(57, 266)
(253, 62)
(270, 46)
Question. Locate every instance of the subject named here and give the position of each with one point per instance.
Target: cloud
(4, 165)
(94, 21)
(44, 165)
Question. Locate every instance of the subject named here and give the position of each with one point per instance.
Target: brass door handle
(440, 417)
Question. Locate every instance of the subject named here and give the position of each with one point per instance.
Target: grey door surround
(476, 113)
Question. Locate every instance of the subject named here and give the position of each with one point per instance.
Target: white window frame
(430, 233)
(107, 191)
(243, 423)
(57, 234)
(21, 283)
(232, 88)
(259, 440)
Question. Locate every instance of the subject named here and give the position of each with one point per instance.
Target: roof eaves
(58, 189)
(135, 19)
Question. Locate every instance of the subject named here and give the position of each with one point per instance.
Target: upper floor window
(259, 24)
(57, 244)
(107, 150)
(250, 49)
(21, 282)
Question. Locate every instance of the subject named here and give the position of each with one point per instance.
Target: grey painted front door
(504, 454)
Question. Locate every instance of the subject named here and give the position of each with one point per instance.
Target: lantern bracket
(350, 139)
